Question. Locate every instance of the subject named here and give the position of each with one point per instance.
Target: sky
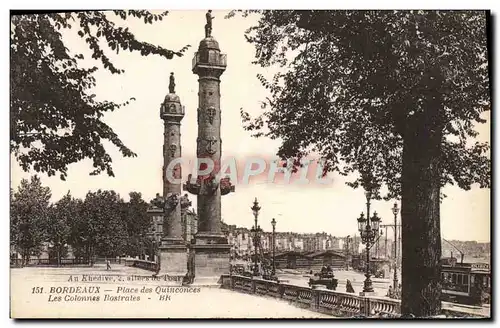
(332, 208)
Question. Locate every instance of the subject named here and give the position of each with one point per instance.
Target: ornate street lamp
(395, 211)
(369, 230)
(256, 229)
(273, 222)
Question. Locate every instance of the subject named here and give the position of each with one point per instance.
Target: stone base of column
(211, 258)
(173, 260)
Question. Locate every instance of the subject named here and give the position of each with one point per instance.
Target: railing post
(368, 309)
(315, 299)
(253, 285)
(365, 306)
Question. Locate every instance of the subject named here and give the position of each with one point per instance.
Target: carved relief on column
(171, 202)
(207, 145)
(172, 149)
(211, 145)
(207, 115)
(185, 203)
(210, 115)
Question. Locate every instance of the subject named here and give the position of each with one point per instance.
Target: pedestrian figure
(348, 287)
(108, 265)
(390, 292)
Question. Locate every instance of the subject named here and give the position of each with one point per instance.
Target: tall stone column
(172, 249)
(211, 247)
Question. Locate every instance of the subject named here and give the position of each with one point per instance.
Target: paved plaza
(207, 303)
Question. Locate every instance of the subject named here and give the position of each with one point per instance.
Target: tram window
(453, 278)
(465, 279)
(486, 282)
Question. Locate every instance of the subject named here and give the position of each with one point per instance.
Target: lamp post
(395, 211)
(368, 228)
(273, 222)
(256, 228)
(154, 250)
(347, 250)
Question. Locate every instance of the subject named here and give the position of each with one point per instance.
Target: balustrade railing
(146, 265)
(385, 307)
(326, 301)
(17, 263)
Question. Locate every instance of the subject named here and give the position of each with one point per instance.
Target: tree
(29, 210)
(103, 230)
(137, 223)
(78, 230)
(14, 229)
(55, 119)
(59, 224)
(393, 96)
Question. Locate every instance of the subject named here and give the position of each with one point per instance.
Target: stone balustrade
(336, 303)
(146, 265)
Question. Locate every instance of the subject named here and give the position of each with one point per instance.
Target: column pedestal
(211, 258)
(173, 260)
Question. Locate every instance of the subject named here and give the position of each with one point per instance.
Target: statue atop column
(171, 86)
(208, 25)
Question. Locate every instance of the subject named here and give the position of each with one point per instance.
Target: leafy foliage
(354, 84)
(394, 96)
(105, 230)
(137, 223)
(101, 225)
(55, 119)
(29, 211)
(58, 226)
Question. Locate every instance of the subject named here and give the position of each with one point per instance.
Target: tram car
(466, 283)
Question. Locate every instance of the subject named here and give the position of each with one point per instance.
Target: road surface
(380, 286)
(31, 297)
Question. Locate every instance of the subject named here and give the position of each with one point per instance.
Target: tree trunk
(421, 249)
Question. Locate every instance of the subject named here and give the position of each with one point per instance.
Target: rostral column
(172, 248)
(211, 250)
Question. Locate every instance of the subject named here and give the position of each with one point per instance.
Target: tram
(466, 283)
